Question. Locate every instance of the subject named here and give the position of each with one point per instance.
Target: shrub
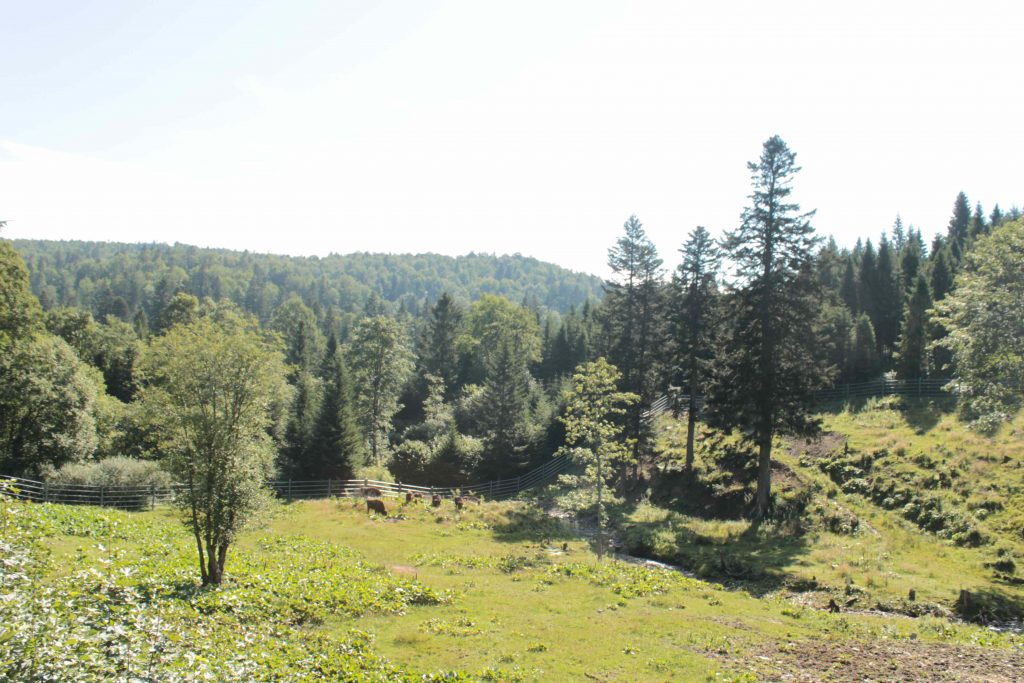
(117, 472)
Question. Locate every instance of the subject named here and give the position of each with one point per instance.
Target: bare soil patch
(890, 660)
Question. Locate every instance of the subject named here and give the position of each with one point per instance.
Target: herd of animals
(375, 500)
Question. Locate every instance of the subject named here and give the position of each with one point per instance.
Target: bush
(117, 472)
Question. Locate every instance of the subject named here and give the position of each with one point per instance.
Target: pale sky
(532, 127)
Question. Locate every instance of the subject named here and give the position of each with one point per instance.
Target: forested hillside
(122, 279)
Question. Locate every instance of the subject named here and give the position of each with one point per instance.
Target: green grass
(837, 533)
(323, 591)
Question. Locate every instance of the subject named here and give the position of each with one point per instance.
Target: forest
(441, 371)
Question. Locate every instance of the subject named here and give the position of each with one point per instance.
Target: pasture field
(322, 591)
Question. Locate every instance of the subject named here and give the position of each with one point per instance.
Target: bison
(410, 496)
(458, 502)
(435, 500)
(376, 505)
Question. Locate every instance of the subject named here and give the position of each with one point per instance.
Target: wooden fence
(924, 388)
(143, 497)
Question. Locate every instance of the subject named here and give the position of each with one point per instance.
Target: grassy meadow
(321, 591)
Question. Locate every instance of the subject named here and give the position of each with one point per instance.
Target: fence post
(289, 490)
(919, 387)
(328, 488)
(102, 496)
(518, 480)
(152, 496)
(46, 492)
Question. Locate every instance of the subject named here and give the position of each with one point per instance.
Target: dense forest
(124, 279)
(437, 370)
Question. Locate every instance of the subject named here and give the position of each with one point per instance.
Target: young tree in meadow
(693, 288)
(984, 317)
(770, 362)
(214, 383)
(632, 308)
(380, 363)
(593, 431)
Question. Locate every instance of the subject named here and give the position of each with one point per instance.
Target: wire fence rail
(148, 497)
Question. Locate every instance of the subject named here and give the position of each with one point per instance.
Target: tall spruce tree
(959, 225)
(693, 288)
(888, 299)
(912, 354)
(632, 332)
(336, 445)
(438, 352)
(771, 362)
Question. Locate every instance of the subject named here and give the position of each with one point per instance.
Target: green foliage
(381, 363)
(115, 471)
(633, 325)
(984, 317)
(146, 276)
(47, 398)
(592, 430)
(138, 615)
(771, 360)
(213, 382)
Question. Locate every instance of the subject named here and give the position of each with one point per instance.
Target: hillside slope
(898, 507)
(92, 275)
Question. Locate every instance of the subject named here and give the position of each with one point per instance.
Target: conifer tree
(912, 354)
(772, 360)
(849, 289)
(336, 445)
(888, 299)
(693, 292)
(438, 353)
(631, 307)
(959, 224)
(942, 275)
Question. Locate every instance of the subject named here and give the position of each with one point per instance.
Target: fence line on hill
(924, 388)
(142, 497)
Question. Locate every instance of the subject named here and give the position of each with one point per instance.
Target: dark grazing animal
(458, 502)
(376, 505)
(435, 500)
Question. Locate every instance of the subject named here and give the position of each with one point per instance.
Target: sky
(509, 127)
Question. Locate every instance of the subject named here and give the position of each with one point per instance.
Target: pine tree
(867, 284)
(693, 293)
(912, 354)
(504, 411)
(959, 224)
(772, 360)
(438, 353)
(849, 289)
(631, 307)
(910, 261)
(942, 275)
(864, 363)
(336, 444)
(888, 298)
(978, 227)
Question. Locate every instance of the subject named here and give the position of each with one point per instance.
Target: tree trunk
(764, 475)
(691, 427)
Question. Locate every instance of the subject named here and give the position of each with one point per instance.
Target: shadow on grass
(989, 606)
(744, 554)
(532, 523)
(924, 414)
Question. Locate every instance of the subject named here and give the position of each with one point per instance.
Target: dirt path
(889, 660)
